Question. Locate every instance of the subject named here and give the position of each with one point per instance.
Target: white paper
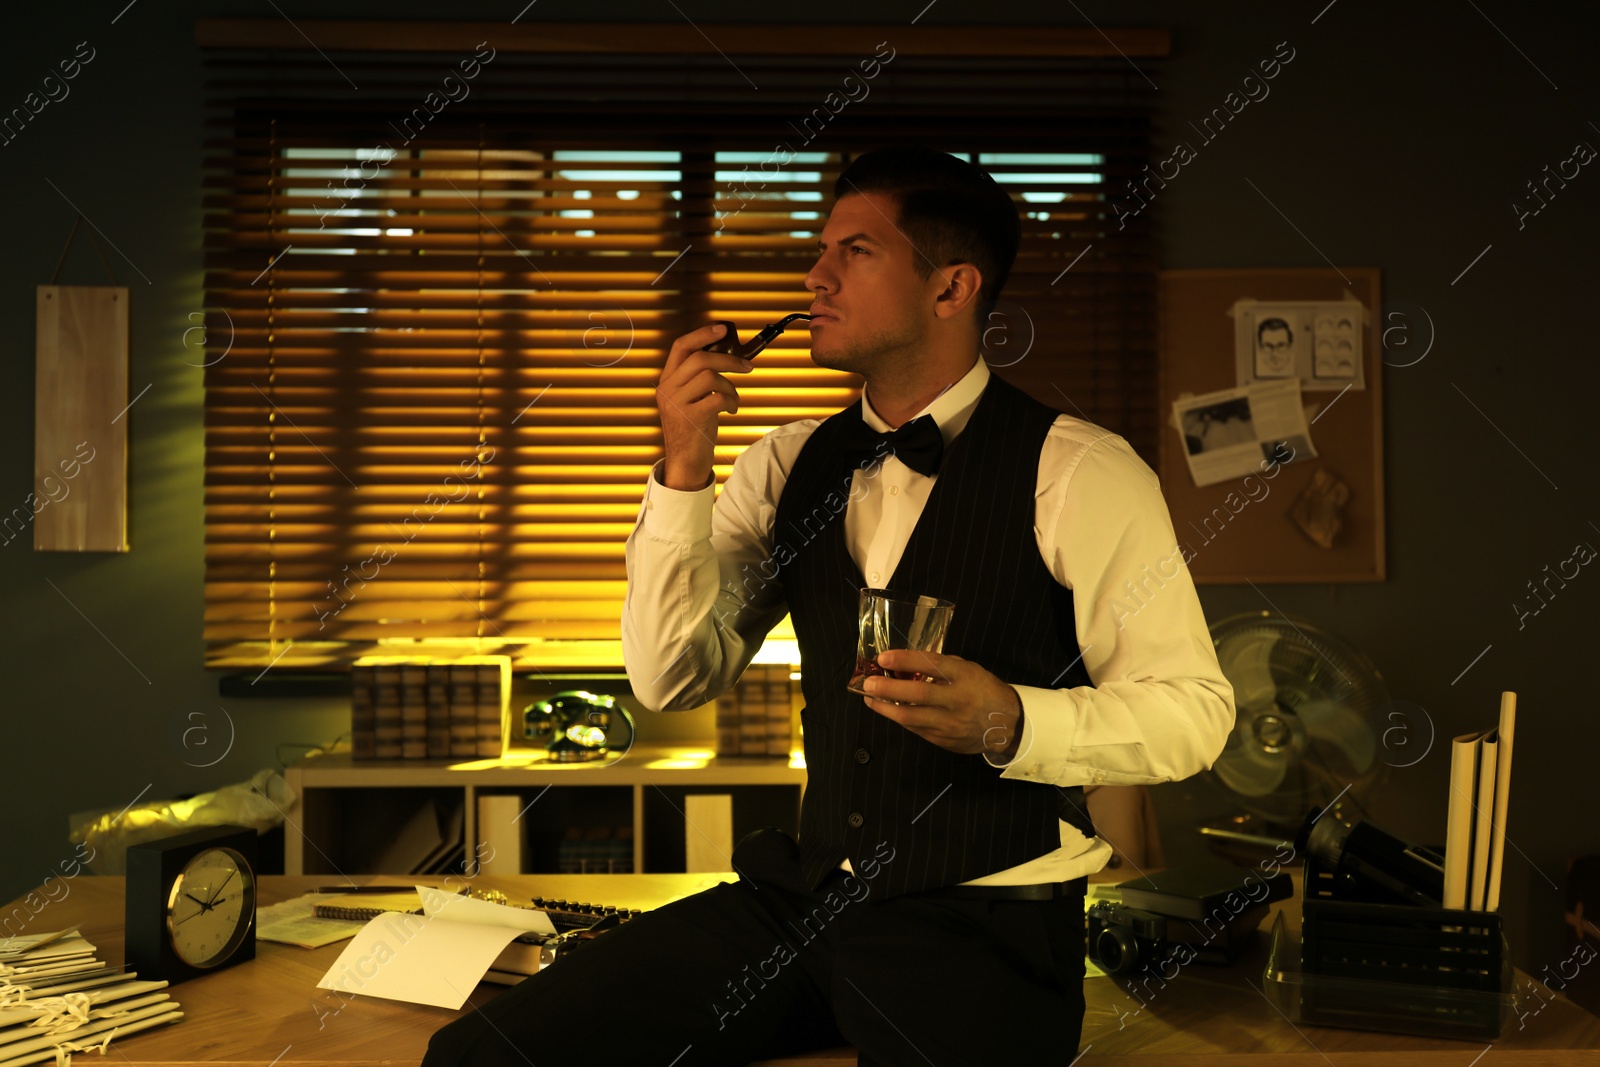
(417, 959)
(1232, 433)
(1316, 342)
(38, 947)
(295, 922)
(437, 903)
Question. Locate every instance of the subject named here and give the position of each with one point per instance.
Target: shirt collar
(950, 409)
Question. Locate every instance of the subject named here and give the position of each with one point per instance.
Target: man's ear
(958, 289)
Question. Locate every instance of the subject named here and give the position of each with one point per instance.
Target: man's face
(1275, 349)
(872, 305)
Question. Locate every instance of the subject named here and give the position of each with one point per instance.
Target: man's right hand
(689, 396)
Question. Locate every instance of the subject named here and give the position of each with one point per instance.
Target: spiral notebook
(364, 906)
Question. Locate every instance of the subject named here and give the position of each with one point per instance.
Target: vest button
(862, 755)
(855, 819)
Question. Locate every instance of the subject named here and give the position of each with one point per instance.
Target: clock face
(211, 907)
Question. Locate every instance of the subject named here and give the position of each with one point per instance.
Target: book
(1459, 823)
(407, 849)
(780, 712)
(728, 724)
(386, 707)
(491, 721)
(1483, 820)
(463, 709)
(751, 692)
(438, 709)
(1502, 798)
(363, 712)
(500, 828)
(1197, 890)
(414, 709)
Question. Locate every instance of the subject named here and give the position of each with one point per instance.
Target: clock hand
(204, 906)
(225, 881)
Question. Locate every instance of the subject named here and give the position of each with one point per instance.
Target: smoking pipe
(728, 343)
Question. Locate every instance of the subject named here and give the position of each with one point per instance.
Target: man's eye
(857, 248)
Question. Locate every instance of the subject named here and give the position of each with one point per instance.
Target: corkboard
(1251, 535)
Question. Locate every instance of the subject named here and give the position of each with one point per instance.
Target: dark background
(1398, 137)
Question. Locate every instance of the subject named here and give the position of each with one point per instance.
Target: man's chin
(834, 357)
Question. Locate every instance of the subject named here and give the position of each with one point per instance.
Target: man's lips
(819, 315)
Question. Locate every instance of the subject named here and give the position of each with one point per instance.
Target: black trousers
(761, 968)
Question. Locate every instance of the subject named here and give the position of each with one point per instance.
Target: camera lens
(1116, 949)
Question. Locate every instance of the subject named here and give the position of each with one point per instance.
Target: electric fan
(1306, 731)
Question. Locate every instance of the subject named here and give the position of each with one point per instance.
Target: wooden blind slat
(430, 372)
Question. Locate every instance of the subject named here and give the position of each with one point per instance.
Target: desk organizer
(1400, 968)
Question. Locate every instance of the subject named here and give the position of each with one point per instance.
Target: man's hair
(1272, 324)
(950, 210)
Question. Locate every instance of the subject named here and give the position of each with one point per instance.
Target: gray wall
(1397, 138)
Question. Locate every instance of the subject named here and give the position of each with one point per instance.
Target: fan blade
(1246, 664)
(1342, 727)
(1247, 768)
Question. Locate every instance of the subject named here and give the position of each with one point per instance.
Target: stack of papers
(57, 999)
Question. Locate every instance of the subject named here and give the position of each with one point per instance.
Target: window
(435, 334)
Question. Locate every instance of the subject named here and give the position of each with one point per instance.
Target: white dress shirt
(702, 596)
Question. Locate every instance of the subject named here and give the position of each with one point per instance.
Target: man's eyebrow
(865, 238)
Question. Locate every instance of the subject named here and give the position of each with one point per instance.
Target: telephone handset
(728, 343)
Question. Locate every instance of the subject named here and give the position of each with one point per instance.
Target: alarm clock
(191, 903)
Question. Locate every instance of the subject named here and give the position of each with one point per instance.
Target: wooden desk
(270, 1011)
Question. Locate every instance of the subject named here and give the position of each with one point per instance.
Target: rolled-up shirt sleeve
(703, 587)
(1160, 708)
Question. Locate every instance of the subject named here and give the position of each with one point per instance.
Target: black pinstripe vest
(946, 818)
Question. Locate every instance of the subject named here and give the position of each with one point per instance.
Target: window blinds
(438, 302)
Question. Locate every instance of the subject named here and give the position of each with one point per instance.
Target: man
(1274, 349)
(932, 909)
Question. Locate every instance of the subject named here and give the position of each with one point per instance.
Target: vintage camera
(1123, 939)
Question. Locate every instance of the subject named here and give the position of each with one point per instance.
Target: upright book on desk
(1480, 788)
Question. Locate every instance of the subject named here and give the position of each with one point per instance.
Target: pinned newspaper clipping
(1230, 433)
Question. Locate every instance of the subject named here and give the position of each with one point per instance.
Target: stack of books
(1475, 830)
(756, 717)
(59, 1000)
(407, 707)
(597, 850)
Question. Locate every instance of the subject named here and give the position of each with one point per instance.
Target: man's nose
(819, 278)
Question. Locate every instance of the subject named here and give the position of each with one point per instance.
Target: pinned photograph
(1219, 425)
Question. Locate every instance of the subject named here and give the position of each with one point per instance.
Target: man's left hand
(962, 707)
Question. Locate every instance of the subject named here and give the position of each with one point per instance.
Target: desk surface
(270, 1011)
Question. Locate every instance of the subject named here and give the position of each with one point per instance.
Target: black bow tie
(918, 444)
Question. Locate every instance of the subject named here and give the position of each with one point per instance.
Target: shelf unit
(344, 805)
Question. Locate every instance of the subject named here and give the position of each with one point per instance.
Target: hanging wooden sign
(80, 442)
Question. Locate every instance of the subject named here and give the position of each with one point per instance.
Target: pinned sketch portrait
(1315, 341)
(1275, 348)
